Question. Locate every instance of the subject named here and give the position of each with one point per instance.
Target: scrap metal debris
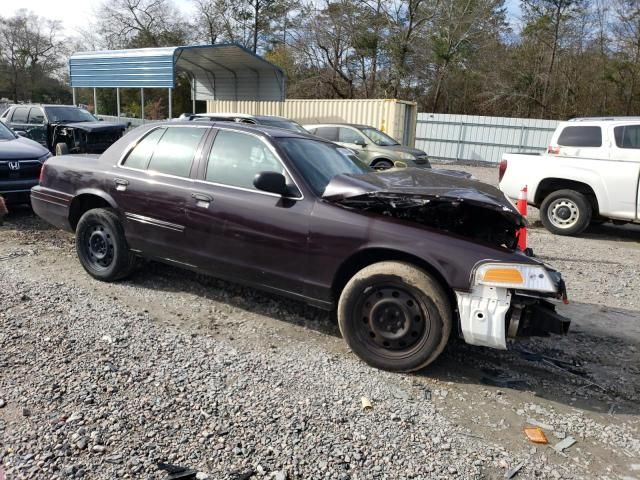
(513, 472)
(176, 472)
(564, 444)
(366, 404)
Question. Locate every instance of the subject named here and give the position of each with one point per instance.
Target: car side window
(175, 151)
(36, 116)
(348, 135)
(141, 154)
(627, 136)
(581, 137)
(328, 133)
(237, 157)
(20, 115)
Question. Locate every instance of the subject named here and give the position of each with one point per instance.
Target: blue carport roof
(219, 72)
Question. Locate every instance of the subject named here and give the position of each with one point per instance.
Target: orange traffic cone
(522, 208)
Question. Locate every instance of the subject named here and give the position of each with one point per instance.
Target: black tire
(102, 247)
(62, 149)
(566, 212)
(395, 316)
(382, 164)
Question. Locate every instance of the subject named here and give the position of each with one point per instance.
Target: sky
(76, 14)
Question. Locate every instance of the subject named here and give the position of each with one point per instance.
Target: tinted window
(329, 133)
(141, 154)
(5, 133)
(581, 137)
(319, 162)
(176, 150)
(627, 136)
(69, 114)
(36, 115)
(20, 115)
(237, 157)
(348, 135)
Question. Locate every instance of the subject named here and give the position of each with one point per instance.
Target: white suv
(589, 174)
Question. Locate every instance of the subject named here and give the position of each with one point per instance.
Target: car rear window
(581, 137)
(174, 153)
(20, 115)
(627, 136)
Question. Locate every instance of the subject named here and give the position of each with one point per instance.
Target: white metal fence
(480, 139)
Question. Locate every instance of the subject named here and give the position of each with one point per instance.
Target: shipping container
(394, 117)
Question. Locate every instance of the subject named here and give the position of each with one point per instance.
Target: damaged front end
(453, 205)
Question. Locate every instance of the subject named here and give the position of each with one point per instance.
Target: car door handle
(121, 184)
(202, 200)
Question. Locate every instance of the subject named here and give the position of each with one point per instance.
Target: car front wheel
(102, 247)
(395, 316)
(566, 212)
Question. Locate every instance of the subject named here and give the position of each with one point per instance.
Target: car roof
(266, 130)
(239, 115)
(42, 105)
(337, 124)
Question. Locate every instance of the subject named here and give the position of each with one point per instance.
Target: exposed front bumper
(489, 315)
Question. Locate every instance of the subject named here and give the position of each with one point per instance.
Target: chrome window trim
(153, 173)
(274, 153)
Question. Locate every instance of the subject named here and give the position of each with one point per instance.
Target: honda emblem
(14, 166)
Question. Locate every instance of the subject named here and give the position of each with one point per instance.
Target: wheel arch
(551, 184)
(86, 200)
(381, 159)
(369, 256)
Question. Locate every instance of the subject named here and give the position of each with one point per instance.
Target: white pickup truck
(589, 174)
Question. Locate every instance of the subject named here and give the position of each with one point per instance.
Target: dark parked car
(63, 128)
(20, 163)
(408, 256)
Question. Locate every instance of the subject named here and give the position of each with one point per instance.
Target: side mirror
(360, 143)
(272, 182)
(20, 133)
(101, 119)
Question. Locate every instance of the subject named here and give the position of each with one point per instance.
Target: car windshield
(5, 133)
(281, 123)
(379, 138)
(68, 114)
(319, 162)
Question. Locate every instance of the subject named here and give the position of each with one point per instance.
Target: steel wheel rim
(391, 321)
(563, 213)
(98, 246)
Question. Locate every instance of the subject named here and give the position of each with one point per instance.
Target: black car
(21, 160)
(63, 128)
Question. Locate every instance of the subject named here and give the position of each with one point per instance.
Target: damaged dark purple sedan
(408, 257)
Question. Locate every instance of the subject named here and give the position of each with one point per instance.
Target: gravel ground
(106, 381)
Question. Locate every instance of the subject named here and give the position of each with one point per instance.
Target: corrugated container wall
(394, 117)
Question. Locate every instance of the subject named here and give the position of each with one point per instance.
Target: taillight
(502, 169)
(41, 174)
(553, 150)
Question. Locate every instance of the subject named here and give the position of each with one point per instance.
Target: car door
(624, 178)
(351, 138)
(37, 129)
(19, 120)
(243, 233)
(152, 186)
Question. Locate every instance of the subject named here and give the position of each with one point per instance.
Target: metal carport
(216, 72)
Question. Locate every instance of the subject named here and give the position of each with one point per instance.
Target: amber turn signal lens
(503, 275)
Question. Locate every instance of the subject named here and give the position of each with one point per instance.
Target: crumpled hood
(21, 149)
(95, 126)
(417, 182)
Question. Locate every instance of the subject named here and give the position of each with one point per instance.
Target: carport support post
(170, 106)
(73, 93)
(142, 104)
(193, 99)
(118, 101)
(95, 101)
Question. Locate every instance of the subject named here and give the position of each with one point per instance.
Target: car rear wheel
(566, 212)
(102, 247)
(62, 149)
(395, 316)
